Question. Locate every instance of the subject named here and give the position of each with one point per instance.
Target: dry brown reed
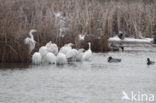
(95, 18)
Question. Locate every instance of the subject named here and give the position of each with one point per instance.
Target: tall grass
(94, 18)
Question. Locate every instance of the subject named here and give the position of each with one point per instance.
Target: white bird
(88, 54)
(79, 55)
(43, 51)
(71, 55)
(50, 58)
(61, 59)
(81, 37)
(66, 48)
(58, 14)
(30, 40)
(51, 47)
(36, 58)
(125, 96)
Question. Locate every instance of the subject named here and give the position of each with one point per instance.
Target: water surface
(88, 82)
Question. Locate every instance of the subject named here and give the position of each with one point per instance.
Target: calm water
(88, 82)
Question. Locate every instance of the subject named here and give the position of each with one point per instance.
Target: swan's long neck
(89, 46)
(31, 35)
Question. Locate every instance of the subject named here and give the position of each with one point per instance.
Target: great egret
(61, 59)
(88, 54)
(36, 58)
(50, 58)
(30, 40)
(51, 47)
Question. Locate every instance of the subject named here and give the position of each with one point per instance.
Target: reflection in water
(87, 82)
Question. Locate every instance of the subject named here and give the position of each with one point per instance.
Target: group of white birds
(51, 54)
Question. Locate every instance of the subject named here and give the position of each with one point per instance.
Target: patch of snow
(144, 40)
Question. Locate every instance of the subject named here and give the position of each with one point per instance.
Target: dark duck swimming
(113, 60)
(149, 62)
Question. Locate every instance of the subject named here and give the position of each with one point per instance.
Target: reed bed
(94, 18)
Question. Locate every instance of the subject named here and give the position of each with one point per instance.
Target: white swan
(43, 51)
(79, 55)
(71, 55)
(50, 58)
(51, 47)
(61, 59)
(36, 58)
(30, 40)
(66, 48)
(88, 54)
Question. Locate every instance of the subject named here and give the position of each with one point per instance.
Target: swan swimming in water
(30, 40)
(51, 47)
(36, 58)
(88, 54)
(61, 59)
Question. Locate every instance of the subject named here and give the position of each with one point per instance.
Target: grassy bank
(91, 17)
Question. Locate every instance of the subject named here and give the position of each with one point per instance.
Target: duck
(36, 58)
(61, 59)
(88, 54)
(121, 35)
(117, 47)
(149, 62)
(113, 60)
(30, 40)
(52, 47)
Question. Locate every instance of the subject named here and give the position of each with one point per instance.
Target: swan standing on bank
(30, 40)
(88, 54)
(36, 58)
